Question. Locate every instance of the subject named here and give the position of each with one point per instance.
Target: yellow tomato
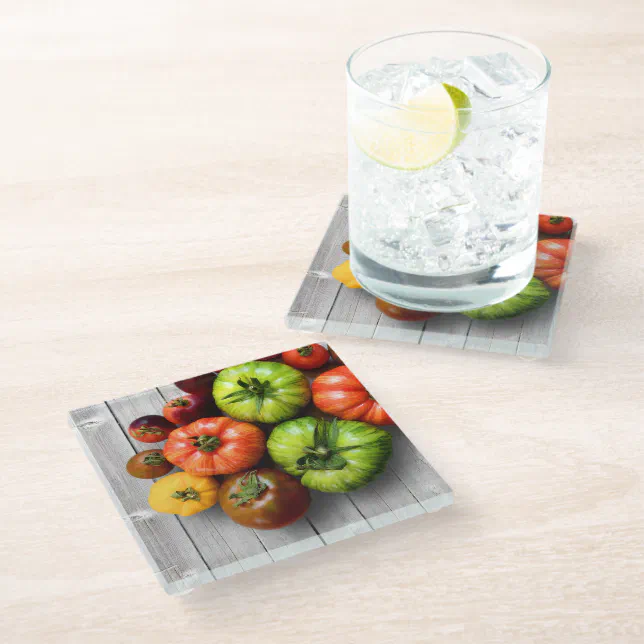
(344, 275)
(183, 494)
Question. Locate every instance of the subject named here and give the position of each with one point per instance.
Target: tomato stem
(251, 488)
(206, 443)
(179, 402)
(189, 494)
(555, 220)
(156, 458)
(305, 351)
(146, 429)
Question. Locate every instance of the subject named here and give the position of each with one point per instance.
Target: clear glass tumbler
(446, 137)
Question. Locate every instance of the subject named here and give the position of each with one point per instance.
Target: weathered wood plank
(335, 517)
(258, 547)
(366, 317)
(174, 558)
(479, 335)
(537, 330)
(416, 473)
(506, 335)
(318, 291)
(398, 330)
(446, 330)
(223, 544)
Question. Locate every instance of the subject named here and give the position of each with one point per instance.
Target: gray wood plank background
(322, 304)
(185, 552)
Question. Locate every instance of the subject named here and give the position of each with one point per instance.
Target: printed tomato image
(339, 393)
(312, 356)
(183, 494)
(264, 392)
(149, 464)
(337, 456)
(215, 446)
(263, 499)
(551, 258)
(150, 429)
(187, 408)
(550, 225)
(201, 385)
(534, 295)
(398, 313)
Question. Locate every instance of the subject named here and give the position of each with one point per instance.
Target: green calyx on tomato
(189, 494)
(144, 430)
(205, 443)
(555, 220)
(251, 488)
(337, 456)
(179, 402)
(265, 392)
(324, 454)
(305, 351)
(252, 390)
(155, 458)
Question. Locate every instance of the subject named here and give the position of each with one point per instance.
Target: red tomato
(215, 446)
(188, 408)
(201, 385)
(150, 429)
(312, 356)
(340, 393)
(263, 499)
(551, 257)
(149, 464)
(398, 313)
(550, 225)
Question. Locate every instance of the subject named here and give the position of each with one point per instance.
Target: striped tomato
(212, 446)
(340, 393)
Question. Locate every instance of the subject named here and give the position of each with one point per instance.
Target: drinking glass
(446, 137)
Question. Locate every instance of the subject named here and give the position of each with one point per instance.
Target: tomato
(265, 392)
(555, 281)
(149, 464)
(150, 429)
(311, 356)
(201, 385)
(263, 499)
(340, 393)
(187, 408)
(398, 313)
(183, 494)
(215, 446)
(554, 225)
(337, 456)
(346, 247)
(551, 260)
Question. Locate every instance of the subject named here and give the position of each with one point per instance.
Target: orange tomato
(340, 393)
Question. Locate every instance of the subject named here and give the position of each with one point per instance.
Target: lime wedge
(417, 137)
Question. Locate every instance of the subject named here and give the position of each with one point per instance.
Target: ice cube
(498, 75)
(417, 81)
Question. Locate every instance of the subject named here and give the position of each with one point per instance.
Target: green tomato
(264, 392)
(337, 456)
(531, 297)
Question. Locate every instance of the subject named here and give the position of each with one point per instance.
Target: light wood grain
(167, 173)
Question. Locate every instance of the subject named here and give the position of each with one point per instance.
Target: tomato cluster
(336, 455)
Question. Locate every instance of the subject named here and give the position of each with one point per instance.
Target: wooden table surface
(167, 172)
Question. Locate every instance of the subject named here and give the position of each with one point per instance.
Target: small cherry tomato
(188, 408)
(312, 356)
(263, 499)
(554, 225)
(150, 429)
(346, 247)
(398, 313)
(149, 464)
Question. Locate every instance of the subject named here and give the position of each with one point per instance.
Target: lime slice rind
(430, 127)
